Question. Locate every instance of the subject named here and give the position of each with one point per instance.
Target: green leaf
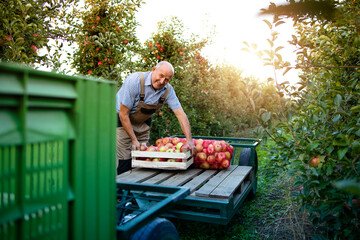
(341, 153)
(355, 108)
(349, 186)
(337, 100)
(266, 116)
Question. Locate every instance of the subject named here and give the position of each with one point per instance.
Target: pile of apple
(212, 154)
(166, 144)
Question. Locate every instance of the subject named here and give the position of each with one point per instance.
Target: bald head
(161, 74)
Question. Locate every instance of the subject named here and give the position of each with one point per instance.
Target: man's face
(161, 76)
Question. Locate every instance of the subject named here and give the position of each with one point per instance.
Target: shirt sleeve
(172, 100)
(129, 92)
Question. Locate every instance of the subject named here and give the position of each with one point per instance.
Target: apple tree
(28, 27)
(319, 141)
(106, 38)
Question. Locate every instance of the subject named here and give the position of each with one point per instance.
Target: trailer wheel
(245, 160)
(159, 229)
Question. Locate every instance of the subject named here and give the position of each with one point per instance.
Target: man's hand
(191, 146)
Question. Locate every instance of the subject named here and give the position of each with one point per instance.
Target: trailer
(214, 195)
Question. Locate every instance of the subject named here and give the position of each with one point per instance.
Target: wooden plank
(160, 177)
(163, 165)
(148, 154)
(205, 190)
(200, 179)
(137, 175)
(228, 186)
(182, 177)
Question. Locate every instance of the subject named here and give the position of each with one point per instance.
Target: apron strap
(163, 97)
(142, 86)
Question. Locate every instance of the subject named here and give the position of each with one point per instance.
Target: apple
(184, 148)
(170, 150)
(179, 145)
(171, 160)
(218, 147)
(126, 42)
(205, 165)
(156, 160)
(143, 147)
(225, 163)
(169, 145)
(151, 148)
(158, 141)
(214, 166)
(202, 156)
(175, 140)
(162, 149)
(165, 140)
(220, 156)
(177, 150)
(162, 159)
(227, 155)
(210, 159)
(148, 159)
(183, 140)
(199, 141)
(230, 148)
(314, 162)
(206, 143)
(199, 147)
(179, 160)
(210, 149)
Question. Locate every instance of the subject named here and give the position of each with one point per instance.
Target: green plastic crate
(57, 155)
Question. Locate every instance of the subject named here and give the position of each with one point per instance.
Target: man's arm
(185, 127)
(125, 121)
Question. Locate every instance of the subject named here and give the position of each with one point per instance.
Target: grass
(272, 214)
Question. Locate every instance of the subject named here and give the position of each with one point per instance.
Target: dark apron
(143, 112)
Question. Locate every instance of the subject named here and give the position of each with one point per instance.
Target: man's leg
(123, 151)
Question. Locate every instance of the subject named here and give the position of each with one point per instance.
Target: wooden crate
(187, 160)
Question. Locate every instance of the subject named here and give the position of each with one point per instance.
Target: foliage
(26, 28)
(106, 38)
(325, 124)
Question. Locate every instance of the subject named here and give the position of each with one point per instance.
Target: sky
(235, 21)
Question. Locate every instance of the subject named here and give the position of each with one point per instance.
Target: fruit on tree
(314, 162)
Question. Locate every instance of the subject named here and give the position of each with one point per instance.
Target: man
(140, 96)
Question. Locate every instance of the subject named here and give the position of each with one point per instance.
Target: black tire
(245, 160)
(159, 229)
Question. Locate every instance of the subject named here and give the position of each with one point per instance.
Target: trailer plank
(137, 175)
(160, 177)
(205, 190)
(228, 186)
(182, 177)
(200, 179)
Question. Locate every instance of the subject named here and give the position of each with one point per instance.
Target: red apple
(165, 140)
(210, 149)
(162, 149)
(205, 165)
(206, 143)
(217, 147)
(175, 140)
(228, 155)
(169, 145)
(184, 148)
(202, 156)
(210, 159)
(199, 147)
(126, 42)
(143, 147)
(214, 166)
(148, 159)
(225, 163)
(314, 162)
(199, 141)
(158, 141)
(220, 156)
(151, 148)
